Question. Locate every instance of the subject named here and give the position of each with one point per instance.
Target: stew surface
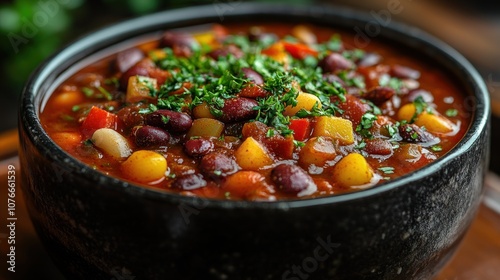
(258, 112)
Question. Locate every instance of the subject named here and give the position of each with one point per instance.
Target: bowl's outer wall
(98, 228)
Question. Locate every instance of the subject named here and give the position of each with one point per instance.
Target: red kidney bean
(189, 182)
(293, 179)
(250, 74)
(238, 109)
(198, 147)
(379, 95)
(411, 133)
(225, 51)
(149, 136)
(216, 165)
(334, 62)
(169, 120)
(378, 147)
(128, 58)
(171, 39)
(141, 68)
(354, 108)
(369, 59)
(405, 72)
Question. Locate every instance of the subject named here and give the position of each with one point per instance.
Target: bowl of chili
(280, 143)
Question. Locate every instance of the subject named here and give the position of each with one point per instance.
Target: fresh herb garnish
(451, 112)
(437, 148)
(387, 169)
(366, 123)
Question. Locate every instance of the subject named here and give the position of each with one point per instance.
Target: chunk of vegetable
(277, 145)
(205, 127)
(244, 183)
(317, 151)
(433, 122)
(409, 152)
(68, 99)
(304, 101)
(301, 129)
(144, 166)
(352, 170)
(139, 89)
(334, 127)
(98, 118)
(299, 50)
(202, 111)
(304, 34)
(67, 140)
(407, 112)
(111, 142)
(277, 52)
(251, 155)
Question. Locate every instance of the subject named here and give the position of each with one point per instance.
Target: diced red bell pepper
(301, 128)
(299, 50)
(96, 119)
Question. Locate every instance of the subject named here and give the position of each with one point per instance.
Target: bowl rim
(29, 122)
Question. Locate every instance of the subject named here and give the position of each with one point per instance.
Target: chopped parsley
(436, 148)
(366, 123)
(451, 112)
(387, 169)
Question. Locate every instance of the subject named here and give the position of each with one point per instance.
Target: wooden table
(477, 258)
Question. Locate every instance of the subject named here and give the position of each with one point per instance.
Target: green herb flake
(420, 106)
(87, 91)
(270, 133)
(436, 148)
(451, 113)
(387, 169)
(67, 118)
(366, 123)
(299, 144)
(361, 145)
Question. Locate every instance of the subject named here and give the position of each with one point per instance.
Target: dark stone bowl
(98, 227)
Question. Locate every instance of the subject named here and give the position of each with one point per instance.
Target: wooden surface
(477, 258)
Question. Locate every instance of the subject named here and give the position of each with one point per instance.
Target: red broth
(258, 113)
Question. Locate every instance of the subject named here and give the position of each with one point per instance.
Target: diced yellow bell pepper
(317, 151)
(205, 127)
(334, 127)
(352, 170)
(304, 101)
(139, 88)
(251, 155)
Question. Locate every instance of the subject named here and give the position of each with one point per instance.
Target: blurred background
(31, 30)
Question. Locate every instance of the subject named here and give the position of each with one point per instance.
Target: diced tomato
(301, 128)
(98, 118)
(253, 91)
(299, 50)
(277, 145)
